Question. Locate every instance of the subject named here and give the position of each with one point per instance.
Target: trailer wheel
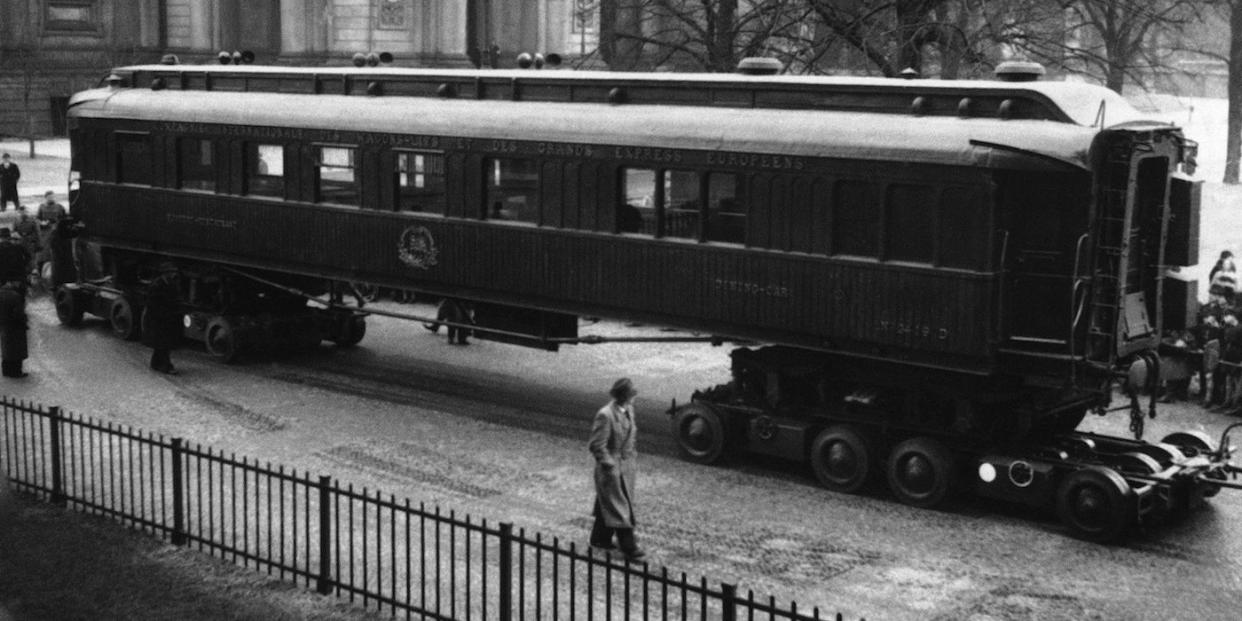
(350, 330)
(122, 318)
(700, 433)
(841, 458)
(220, 337)
(68, 308)
(920, 472)
(1193, 444)
(1096, 504)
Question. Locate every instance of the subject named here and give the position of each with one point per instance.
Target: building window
(585, 17)
(420, 182)
(265, 169)
(134, 163)
(726, 216)
(337, 181)
(196, 164)
(394, 14)
(70, 16)
(909, 228)
(512, 190)
(855, 219)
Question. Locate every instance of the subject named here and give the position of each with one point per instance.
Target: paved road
(498, 431)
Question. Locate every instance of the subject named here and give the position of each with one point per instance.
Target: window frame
(181, 168)
(87, 26)
(123, 136)
(489, 175)
(355, 157)
(442, 175)
(250, 160)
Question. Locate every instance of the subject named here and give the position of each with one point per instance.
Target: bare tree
(703, 35)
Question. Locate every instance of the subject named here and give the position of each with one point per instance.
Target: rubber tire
(835, 445)
(68, 307)
(124, 321)
(352, 329)
(220, 338)
(933, 459)
(700, 433)
(1107, 488)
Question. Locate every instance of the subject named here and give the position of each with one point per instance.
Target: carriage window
(512, 190)
(963, 229)
(196, 164)
(726, 218)
(681, 204)
(134, 163)
(337, 182)
(420, 182)
(636, 213)
(855, 219)
(910, 224)
(265, 169)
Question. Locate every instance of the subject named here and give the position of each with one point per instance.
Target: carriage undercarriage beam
(1099, 486)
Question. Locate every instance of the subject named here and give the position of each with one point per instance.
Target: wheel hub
(698, 434)
(917, 474)
(841, 460)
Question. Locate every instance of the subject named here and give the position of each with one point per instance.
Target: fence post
(178, 478)
(58, 472)
(506, 570)
(728, 601)
(324, 585)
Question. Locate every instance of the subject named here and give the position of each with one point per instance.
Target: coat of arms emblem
(417, 248)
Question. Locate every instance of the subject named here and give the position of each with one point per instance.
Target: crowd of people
(24, 248)
(1217, 337)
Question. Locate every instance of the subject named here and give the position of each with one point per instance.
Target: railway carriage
(950, 274)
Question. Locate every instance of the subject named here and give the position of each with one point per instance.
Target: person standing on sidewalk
(9, 174)
(612, 444)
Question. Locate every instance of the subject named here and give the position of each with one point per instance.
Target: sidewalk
(49, 170)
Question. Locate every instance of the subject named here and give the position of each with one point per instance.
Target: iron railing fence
(386, 553)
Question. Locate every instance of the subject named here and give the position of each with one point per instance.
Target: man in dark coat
(612, 444)
(12, 329)
(9, 174)
(14, 266)
(162, 329)
(28, 232)
(454, 311)
(14, 260)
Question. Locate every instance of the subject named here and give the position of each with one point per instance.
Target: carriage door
(1044, 214)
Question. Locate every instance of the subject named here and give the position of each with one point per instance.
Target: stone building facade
(51, 48)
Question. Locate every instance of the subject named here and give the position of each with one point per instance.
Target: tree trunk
(608, 31)
(725, 35)
(1233, 141)
(1116, 78)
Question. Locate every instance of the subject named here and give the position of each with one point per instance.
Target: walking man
(162, 330)
(14, 266)
(613, 446)
(9, 174)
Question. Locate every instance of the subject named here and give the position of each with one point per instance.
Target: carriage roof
(851, 133)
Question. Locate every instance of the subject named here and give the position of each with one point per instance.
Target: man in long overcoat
(13, 345)
(162, 329)
(14, 268)
(612, 444)
(9, 174)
